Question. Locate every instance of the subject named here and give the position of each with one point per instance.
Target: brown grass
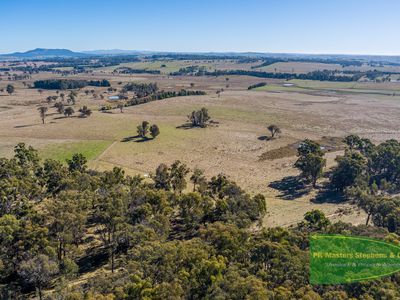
(233, 147)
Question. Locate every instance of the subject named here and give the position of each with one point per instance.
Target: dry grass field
(235, 145)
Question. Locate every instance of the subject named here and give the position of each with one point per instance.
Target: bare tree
(121, 107)
(274, 130)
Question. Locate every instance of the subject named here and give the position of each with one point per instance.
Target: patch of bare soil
(327, 143)
(281, 152)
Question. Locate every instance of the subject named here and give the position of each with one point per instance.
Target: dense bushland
(104, 235)
(63, 84)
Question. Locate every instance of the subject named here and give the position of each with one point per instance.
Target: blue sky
(302, 26)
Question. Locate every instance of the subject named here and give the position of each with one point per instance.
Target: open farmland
(233, 145)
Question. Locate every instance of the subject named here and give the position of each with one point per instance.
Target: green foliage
(198, 179)
(26, 157)
(60, 107)
(178, 172)
(141, 89)
(42, 111)
(38, 271)
(63, 84)
(143, 129)
(77, 163)
(199, 118)
(257, 85)
(316, 220)
(162, 177)
(154, 131)
(349, 168)
(370, 173)
(310, 161)
(69, 111)
(60, 223)
(10, 89)
(85, 111)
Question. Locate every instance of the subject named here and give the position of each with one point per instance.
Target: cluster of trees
(190, 70)
(199, 118)
(63, 84)
(78, 65)
(103, 83)
(144, 128)
(342, 62)
(163, 95)
(254, 86)
(155, 239)
(85, 111)
(325, 75)
(321, 75)
(127, 70)
(141, 89)
(10, 89)
(81, 64)
(311, 161)
(267, 62)
(367, 174)
(153, 97)
(198, 57)
(61, 109)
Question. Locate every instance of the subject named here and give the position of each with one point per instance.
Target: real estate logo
(338, 259)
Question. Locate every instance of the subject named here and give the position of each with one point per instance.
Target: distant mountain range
(116, 52)
(42, 53)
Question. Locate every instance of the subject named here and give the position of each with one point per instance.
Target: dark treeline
(190, 70)
(343, 63)
(154, 239)
(375, 74)
(147, 92)
(315, 75)
(325, 75)
(127, 70)
(267, 62)
(103, 82)
(155, 96)
(254, 86)
(94, 61)
(78, 63)
(141, 89)
(196, 57)
(164, 95)
(62, 84)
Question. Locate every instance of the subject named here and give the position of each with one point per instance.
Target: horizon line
(211, 51)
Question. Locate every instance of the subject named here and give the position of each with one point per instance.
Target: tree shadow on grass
(136, 139)
(23, 126)
(327, 194)
(93, 261)
(264, 138)
(64, 117)
(291, 187)
(186, 126)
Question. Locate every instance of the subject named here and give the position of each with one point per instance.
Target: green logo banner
(337, 259)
